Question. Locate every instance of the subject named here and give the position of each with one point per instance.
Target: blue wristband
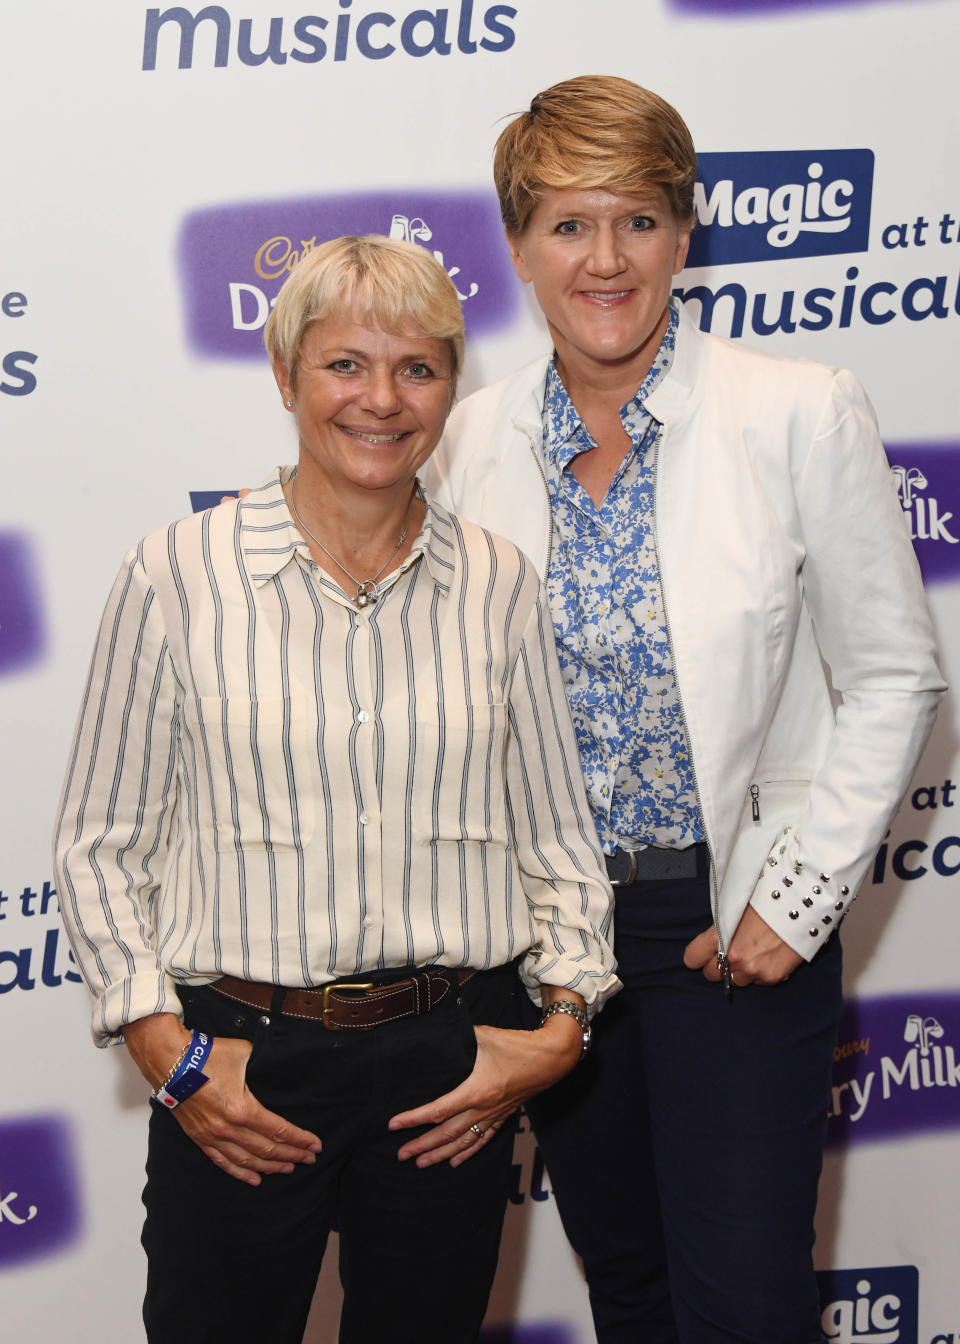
(188, 1076)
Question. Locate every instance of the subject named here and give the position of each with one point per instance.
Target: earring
(289, 405)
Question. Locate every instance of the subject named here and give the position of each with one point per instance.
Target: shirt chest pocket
(255, 766)
(460, 773)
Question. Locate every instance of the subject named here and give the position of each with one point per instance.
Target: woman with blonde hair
(322, 804)
(715, 527)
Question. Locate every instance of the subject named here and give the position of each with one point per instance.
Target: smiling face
(370, 404)
(602, 267)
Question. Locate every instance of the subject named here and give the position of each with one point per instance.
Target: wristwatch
(572, 1010)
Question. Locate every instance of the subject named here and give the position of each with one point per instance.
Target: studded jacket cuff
(800, 902)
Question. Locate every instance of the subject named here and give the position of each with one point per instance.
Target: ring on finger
(475, 1129)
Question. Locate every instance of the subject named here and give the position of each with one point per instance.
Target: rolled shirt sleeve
(116, 810)
(561, 864)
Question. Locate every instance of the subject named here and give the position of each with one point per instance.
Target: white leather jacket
(782, 547)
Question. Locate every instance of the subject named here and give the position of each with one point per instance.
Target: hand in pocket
(223, 1118)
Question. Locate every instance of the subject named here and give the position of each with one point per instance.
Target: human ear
(284, 381)
(683, 246)
(515, 244)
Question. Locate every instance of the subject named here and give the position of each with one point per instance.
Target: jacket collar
(671, 400)
(675, 394)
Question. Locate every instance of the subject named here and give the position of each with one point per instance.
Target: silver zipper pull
(755, 798)
(723, 966)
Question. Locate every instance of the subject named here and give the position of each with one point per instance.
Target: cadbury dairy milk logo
(39, 1198)
(233, 259)
(896, 1068)
(927, 480)
(870, 1306)
(769, 205)
(22, 633)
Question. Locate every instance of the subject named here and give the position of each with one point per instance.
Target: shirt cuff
(143, 994)
(803, 904)
(594, 985)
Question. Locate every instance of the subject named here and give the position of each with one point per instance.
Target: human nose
(381, 393)
(606, 258)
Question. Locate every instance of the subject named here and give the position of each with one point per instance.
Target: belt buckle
(631, 875)
(327, 1009)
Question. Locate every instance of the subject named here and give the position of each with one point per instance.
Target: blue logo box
(771, 205)
(870, 1306)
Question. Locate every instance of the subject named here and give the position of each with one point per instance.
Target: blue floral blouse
(607, 607)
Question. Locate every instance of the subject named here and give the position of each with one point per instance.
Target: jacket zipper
(546, 489)
(755, 793)
(722, 964)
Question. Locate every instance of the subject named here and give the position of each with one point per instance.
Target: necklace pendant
(365, 591)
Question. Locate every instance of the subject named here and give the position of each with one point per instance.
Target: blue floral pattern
(607, 607)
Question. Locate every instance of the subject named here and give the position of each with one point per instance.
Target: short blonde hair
(594, 131)
(381, 280)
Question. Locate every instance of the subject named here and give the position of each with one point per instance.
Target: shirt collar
(436, 542)
(563, 428)
(270, 539)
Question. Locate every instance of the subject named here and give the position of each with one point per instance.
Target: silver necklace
(366, 588)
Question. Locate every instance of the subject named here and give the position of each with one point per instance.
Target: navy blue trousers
(685, 1152)
(230, 1263)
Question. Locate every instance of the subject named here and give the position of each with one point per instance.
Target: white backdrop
(152, 195)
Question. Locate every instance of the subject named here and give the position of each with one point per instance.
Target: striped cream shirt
(269, 783)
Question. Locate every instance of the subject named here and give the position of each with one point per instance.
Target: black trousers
(230, 1263)
(685, 1152)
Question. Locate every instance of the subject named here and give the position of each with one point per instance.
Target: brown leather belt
(347, 1005)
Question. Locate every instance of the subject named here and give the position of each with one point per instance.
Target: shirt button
(364, 818)
(368, 922)
(362, 716)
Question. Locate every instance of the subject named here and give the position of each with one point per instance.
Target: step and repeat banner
(162, 170)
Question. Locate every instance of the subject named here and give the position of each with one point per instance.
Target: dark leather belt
(627, 866)
(346, 1005)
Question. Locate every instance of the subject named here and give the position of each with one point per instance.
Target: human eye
(423, 371)
(567, 227)
(640, 223)
(343, 365)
